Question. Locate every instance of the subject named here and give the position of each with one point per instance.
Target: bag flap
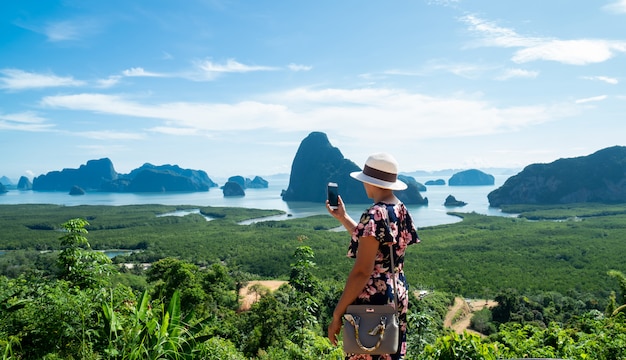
(370, 309)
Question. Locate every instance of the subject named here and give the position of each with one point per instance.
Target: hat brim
(398, 185)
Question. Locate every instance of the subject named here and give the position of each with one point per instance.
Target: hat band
(380, 175)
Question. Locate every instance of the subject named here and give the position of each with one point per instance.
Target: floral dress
(379, 289)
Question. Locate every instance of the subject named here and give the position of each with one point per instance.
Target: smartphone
(333, 194)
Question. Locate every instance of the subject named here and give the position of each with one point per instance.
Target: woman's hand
(333, 330)
(338, 213)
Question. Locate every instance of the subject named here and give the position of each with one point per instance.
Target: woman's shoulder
(380, 208)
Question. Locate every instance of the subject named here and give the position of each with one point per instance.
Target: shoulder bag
(373, 329)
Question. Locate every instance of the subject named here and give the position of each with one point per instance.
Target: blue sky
(233, 87)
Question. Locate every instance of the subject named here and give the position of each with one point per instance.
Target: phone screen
(333, 195)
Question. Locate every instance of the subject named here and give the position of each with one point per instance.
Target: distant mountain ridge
(100, 175)
(599, 177)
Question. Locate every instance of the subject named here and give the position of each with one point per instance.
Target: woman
(371, 279)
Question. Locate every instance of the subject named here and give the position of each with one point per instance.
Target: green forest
(556, 273)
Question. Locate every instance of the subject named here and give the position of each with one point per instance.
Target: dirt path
(250, 297)
(459, 315)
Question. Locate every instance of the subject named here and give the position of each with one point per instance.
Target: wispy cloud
(618, 7)
(64, 30)
(464, 70)
(108, 82)
(140, 72)
(330, 110)
(591, 99)
(490, 34)
(298, 67)
(210, 69)
(606, 79)
(573, 52)
(231, 66)
(25, 121)
(517, 73)
(14, 79)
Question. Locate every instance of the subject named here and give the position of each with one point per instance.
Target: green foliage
(43, 316)
(482, 322)
(549, 277)
(455, 347)
(217, 348)
(301, 277)
(79, 265)
(476, 257)
(621, 279)
(482, 255)
(564, 211)
(152, 333)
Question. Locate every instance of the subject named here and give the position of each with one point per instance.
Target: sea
(435, 213)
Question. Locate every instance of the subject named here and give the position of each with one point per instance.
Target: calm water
(433, 214)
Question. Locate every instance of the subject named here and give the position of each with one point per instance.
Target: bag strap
(393, 265)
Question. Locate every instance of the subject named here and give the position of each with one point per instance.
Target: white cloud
(606, 79)
(68, 30)
(177, 131)
(517, 73)
(14, 79)
(297, 67)
(109, 82)
(140, 72)
(464, 70)
(25, 121)
(62, 31)
(331, 110)
(573, 52)
(618, 7)
(591, 99)
(446, 3)
(210, 69)
(491, 34)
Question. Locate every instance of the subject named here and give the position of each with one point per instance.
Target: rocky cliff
(412, 195)
(5, 181)
(24, 184)
(100, 175)
(451, 201)
(599, 177)
(317, 162)
(247, 183)
(471, 177)
(197, 180)
(90, 176)
(232, 189)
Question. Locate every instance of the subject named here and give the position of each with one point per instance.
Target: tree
(301, 276)
(170, 275)
(622, 285)
(80, 265)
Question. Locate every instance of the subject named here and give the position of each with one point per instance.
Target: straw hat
(380, 170)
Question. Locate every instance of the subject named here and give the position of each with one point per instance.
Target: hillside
(599, 177)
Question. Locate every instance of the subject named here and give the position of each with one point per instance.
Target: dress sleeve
(373, 222)
(411, 230)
